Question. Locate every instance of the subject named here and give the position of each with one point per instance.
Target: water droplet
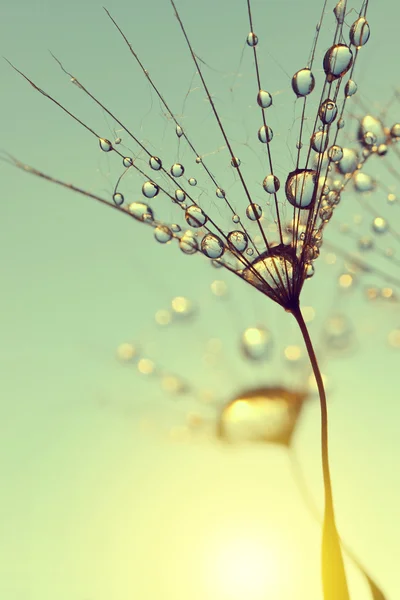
(264, 99)
(301, 187)
(254, 212)
(327, 112)
(319, 141)
(270, 271)
(195, 217)
(395, 132)
(155, 163)
(179, 131)
(369, 139)
(303, 82)
(252, 39)
(220, 193)
(180, 195)
(266, 415)
(363, 182)
(238, 240)
(325, 213)
(117, 141)
(380, 225)
(141, 211)
(188, 243)
(212, 246)
(382, 149)
(256, 343)
(350, 88)
(365, 243)
(271, 184)
(105, 145)
(118, 199)
(162, 233)
(192, 181)
(335, 153)
(235, 162)
(371, 124)
(265, 134)
(349, 161)
(177, 170)
(236, 219)
(340, 11)
(150, 189)
(359, 32)
(337, 61)
(199, 160)
(127, 161)
(175, 228)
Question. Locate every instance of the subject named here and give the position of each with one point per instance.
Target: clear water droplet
(188, 243)
(127, 161)
(264, 99)
(350, 88)
(235, 162)
(395, 132)
(163, 234)
(155, 163)
(319, 141)
(192, 181)
(301, 187)
(177, 170)
(118, 199)
(105, 145)
(303, 82)
(371, 124)
(212, 246)
(150, 189)
(238, 240)
(256, 343)
(195, 217)
(141, 211)
(363, 182)
(175, 228)
(369, 138)
(179, 131)
(199, 160)
(349, 161)
(265, 134)
(359, 32)
(327, 112)
(271, 184)
(340, 11)
(380, 225)
(180, 195)
(236, 219)
(252, 40)
(254, 212)
(220, 193)
(335, 153)
(337, 61)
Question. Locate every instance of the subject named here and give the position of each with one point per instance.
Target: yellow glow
(163, 317)
(145, 366)
(345, 280)
(293, 353)
(126, 352)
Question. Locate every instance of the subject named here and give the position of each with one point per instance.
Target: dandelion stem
(334, 581)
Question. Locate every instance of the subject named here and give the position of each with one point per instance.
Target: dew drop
(395, 132)
(180, 195)
(265, 134)
(179, 131)
(340, 11)
(264, 99)
(349, 161)
(188, 243)
(220, 193)
(195, 217)
(271, 184)
(175, 228)
(238, 240)
(350, 88)
(359, 32)
(192, 181)
(235, 162)
(335, 153)
(319, 141)
(163, 234)
(199, 160)
(177, 170)
(267, 415)
(254, 212)
(155, 163)
(252, 39)
(337, 61)
(127, 161)
(380, 225)
(150, 189)
(303, 82)
(212, 246)
(382, 149)
(327, 112)
(118, 199)
(105, 145)
(371, 124)
(325, 213)
(256, 343)
(365, 243)
(236, 219)
(363, 182)
(141, 211)
(301, 187)
(369, 139)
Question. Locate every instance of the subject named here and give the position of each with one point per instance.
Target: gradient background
(95, 505)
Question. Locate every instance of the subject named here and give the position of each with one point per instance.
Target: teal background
(96, 501)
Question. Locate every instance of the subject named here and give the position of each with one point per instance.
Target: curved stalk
(334, 581)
